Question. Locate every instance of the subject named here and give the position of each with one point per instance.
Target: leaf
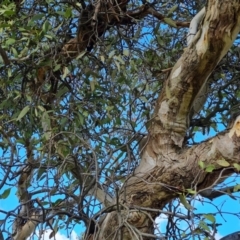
(170, 22)
(204, 226)
(223, 163)
(111, 54)
(237, 166)
(201, 164)
(102, 58)
(46, 26)
(57, 67)
(41, 108)
(117, 64)
(236, 188)
(15, 53)
(92, 85)
(23, 113)
(172, 9)
(68, 13)
(36, 112)
(126, 52)
(37, 17)
(81, 55)
(210, 217)
(10, 41)
(144, 99)
(65, 72)
(40, 173)
(52, 234)
(5, 194)
(184, 201)
(46, 125)
(120, 59)
(209, 168)
(191, 191)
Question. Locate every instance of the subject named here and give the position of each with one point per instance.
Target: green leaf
(111, 54)
(144, 99)
(23, 113)
(184, 201)
(46, 125)
(120, 59)
(65, 72)
(201, 164)
(102, 58)
(92, 85)
(14, 51)
(172, 9)
(37, 17)
(40, 173)
(10, 41)
(46, 26)
(204, 226)
(191, 191)
(57, 67)
(223, 163)
(5, 194)
(41, 108)
(236, 188)
(126, 52)
(117, 64)
(81, 55)
(170, 22)
(210, 217)
(209, 168)
(68, 13)
(237, 166)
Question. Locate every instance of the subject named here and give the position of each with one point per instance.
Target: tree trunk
(168, 166)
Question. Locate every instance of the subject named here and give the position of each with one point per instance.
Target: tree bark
(168, 166)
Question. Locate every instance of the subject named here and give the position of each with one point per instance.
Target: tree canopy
(102, 104)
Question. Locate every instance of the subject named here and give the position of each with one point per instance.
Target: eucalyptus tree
(101, 103)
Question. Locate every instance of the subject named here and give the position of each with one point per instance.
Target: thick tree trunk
(167, 166)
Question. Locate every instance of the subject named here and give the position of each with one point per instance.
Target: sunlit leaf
(223, 163)
(237, 166)
(92, 85)
(118, 65)
(10, 41)
(236, 188)
(201, 164)
(204, 226)
(210, 168)
(23, 113)
(119, 59)
(111, 54)
(191, 191)
(170, 22)
(126, 52)
(210, 217)
(172, 9)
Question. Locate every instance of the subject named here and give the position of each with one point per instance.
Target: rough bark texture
(167, 166)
